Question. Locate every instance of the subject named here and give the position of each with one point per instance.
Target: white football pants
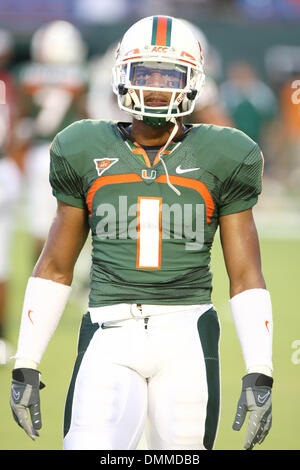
(159, 374)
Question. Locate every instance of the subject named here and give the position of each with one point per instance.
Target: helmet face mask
(154, 82)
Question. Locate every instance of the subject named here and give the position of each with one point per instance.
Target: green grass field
(281, 261)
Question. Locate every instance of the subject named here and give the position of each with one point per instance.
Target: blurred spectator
(289, 151)
(286, 136)
(282, 64)
(250, 102)
(10, 177)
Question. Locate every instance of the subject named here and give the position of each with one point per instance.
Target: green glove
(255, 398)
(25, 396)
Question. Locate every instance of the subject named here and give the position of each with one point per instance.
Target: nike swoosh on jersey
(185, 170)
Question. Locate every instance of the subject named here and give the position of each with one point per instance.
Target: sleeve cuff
(238, 206)
(71, 200)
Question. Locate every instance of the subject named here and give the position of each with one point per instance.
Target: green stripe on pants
(209, 333)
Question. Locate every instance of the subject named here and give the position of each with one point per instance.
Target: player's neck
(148, 135)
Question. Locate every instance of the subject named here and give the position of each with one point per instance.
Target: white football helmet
(58, 42)
(158, 54)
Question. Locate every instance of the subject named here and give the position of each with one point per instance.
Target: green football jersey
(153, 226)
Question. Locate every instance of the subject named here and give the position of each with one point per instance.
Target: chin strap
(173, 133)
(134, 98)
(136, 101)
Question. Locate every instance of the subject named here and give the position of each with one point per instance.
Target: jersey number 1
(149, 232)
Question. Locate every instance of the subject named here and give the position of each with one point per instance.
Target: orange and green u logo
(161, 31)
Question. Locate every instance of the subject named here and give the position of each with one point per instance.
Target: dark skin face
(148, 135)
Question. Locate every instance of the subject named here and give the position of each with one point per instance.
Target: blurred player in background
(101, 101)
(250, 102)
(52, 90)
(13, 146)
(148, 346)
(288, 163)
(284, 141)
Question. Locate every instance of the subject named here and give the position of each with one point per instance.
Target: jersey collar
(140, 151)
(124, 128)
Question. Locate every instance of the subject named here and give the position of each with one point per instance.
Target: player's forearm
(54, 271)
(245, 279)
(44, 303)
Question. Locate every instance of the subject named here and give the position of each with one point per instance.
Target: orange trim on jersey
(139, 230)
(165, 152)
(141, 151)
(193, 184)
(134, 178)
(109, 179)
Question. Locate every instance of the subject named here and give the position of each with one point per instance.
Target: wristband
(252, 315)
(44, 303)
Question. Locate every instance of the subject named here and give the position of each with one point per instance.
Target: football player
(153, 193)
